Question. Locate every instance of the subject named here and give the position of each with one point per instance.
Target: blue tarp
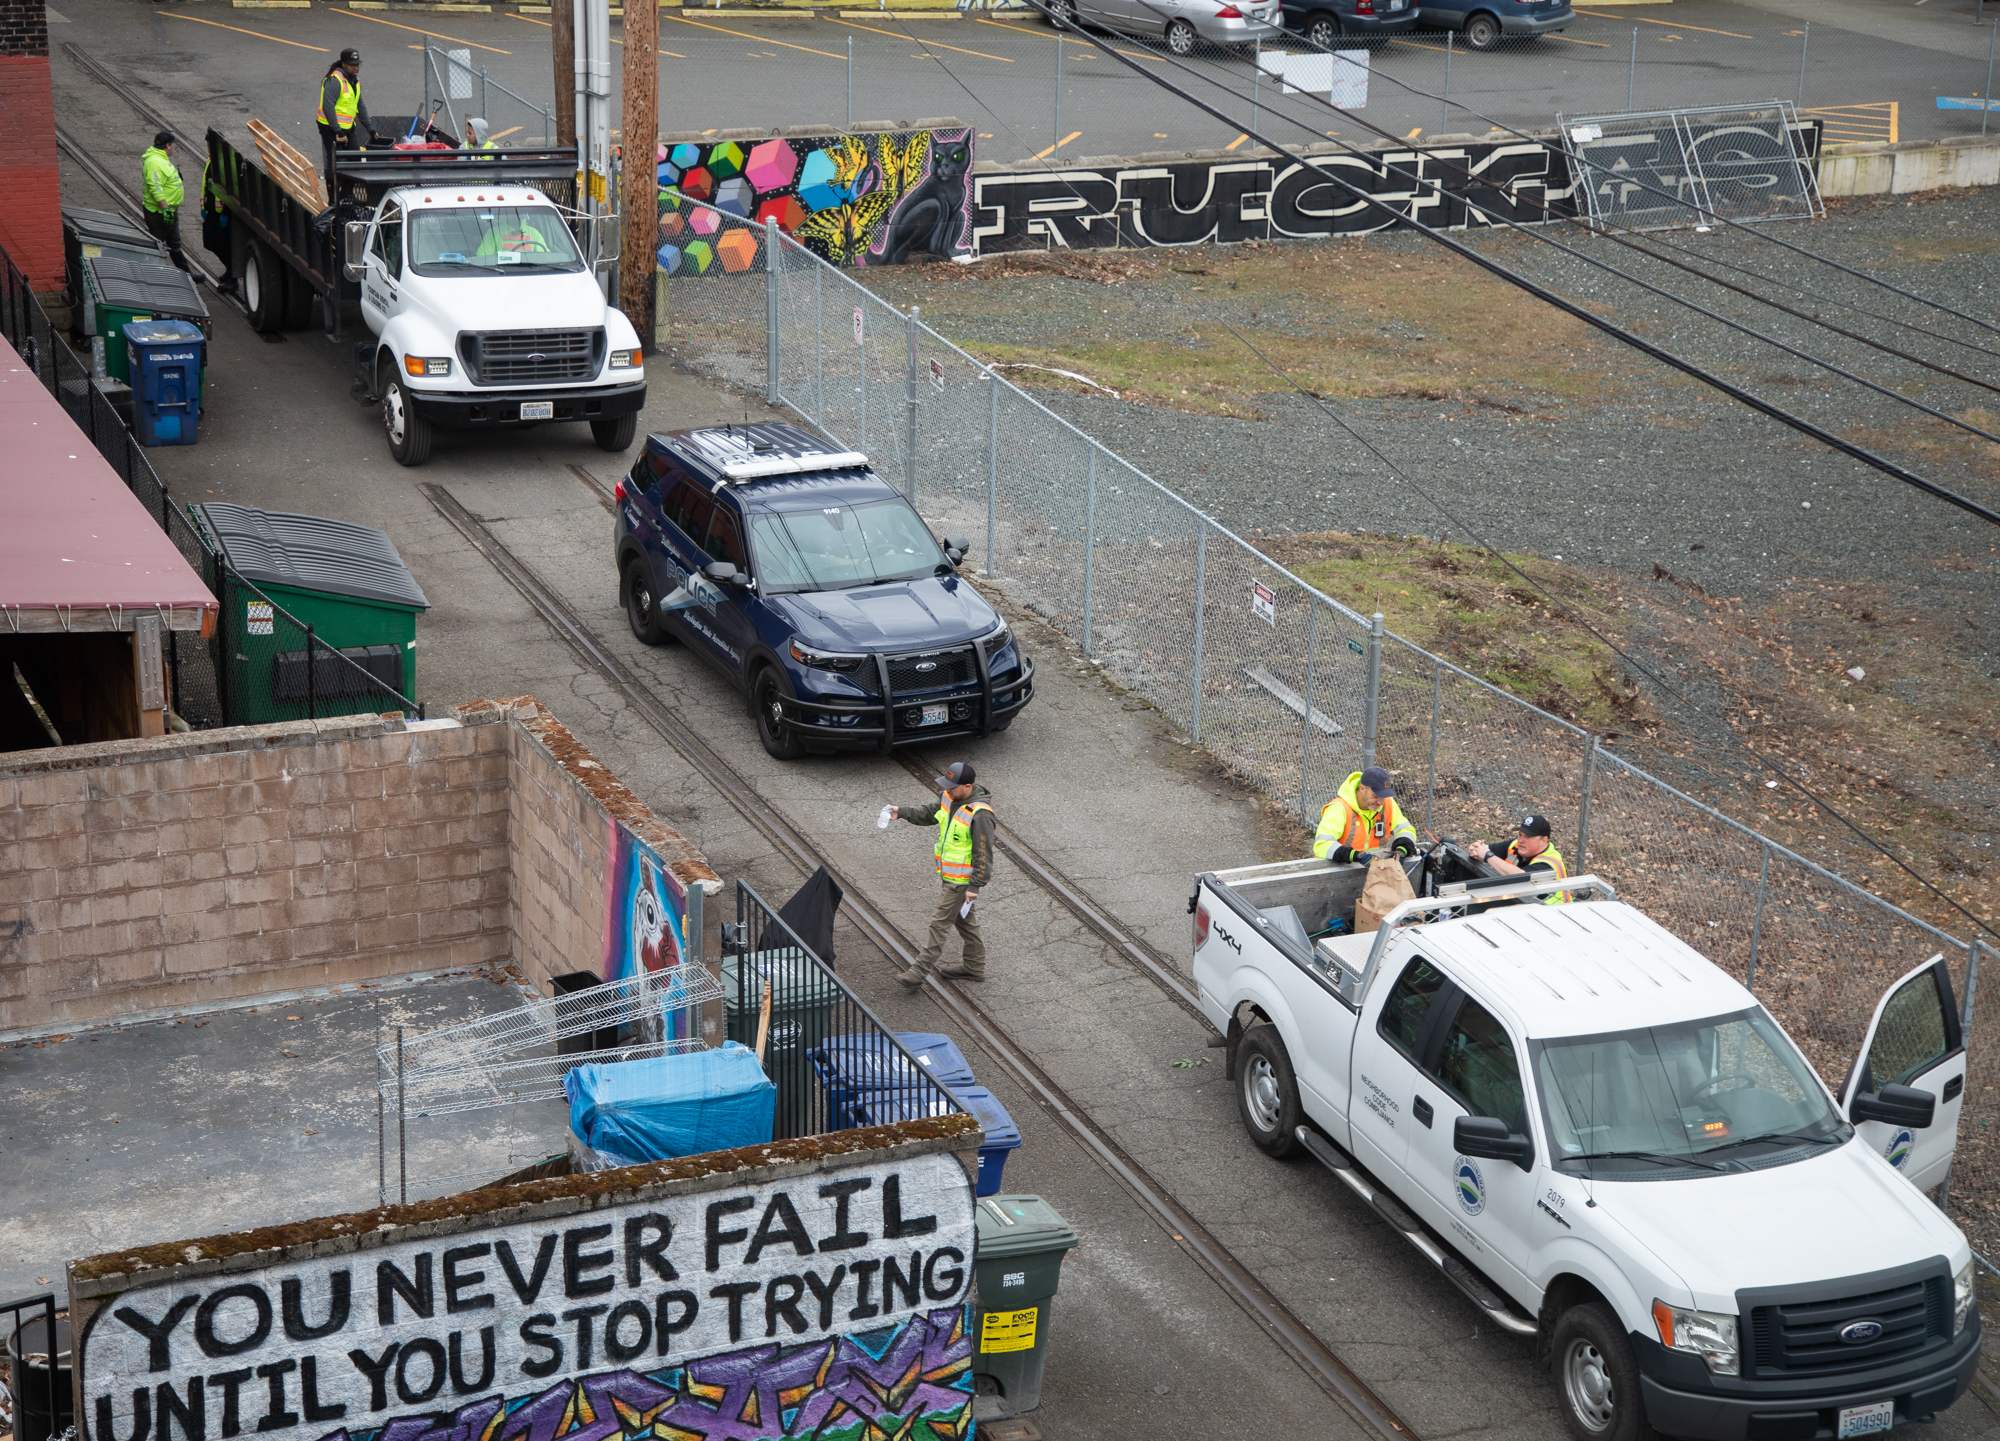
(672, 1105)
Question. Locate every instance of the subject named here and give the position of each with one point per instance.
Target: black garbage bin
(32, 1365)
(1022, 1242)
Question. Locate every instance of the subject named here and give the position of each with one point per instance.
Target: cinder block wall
(146, 875)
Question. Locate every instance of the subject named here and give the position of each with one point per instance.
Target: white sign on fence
(1263, 602)
(858, 330)
(1341, 75)
(458, 74)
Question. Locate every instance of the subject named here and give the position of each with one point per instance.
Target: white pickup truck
(1609, 1145)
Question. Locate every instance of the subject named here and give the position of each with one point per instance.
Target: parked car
(1184, 23)
(1484, 23)
(814, 586)
(1323, 22)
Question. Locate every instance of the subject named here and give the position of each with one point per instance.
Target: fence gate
(1721, 162)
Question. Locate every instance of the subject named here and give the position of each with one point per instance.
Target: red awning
(78, 550)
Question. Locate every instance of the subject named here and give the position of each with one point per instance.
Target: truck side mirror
(1896, 1105)
(354, 248)
(1488, 1139)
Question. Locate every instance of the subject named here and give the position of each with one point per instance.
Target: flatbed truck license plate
(935, 715)
(538, 410)
(1866, 1420)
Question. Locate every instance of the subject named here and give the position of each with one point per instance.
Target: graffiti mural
(646, 921)
(881, 198)
(829, 1303)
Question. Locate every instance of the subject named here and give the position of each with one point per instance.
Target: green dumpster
(284, 572)
(1022, 1242)
(805, 999)
(119, 288)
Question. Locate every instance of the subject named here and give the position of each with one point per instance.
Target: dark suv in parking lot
(1324, 22)
(815, 587)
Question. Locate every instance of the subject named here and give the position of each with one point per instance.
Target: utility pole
(592, 19)
(562, 49)
(638, 184)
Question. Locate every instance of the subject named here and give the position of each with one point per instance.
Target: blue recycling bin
(882, 1108)
(166, 358)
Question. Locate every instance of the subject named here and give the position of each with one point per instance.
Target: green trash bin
(121, 287)
(804, 1000)
(345, 581)
(1022, 1242)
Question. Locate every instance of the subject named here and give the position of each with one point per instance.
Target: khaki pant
(942, 920)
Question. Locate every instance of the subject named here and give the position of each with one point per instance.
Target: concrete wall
(141, 876)
(1881, 169)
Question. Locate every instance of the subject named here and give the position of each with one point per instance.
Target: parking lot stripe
(1668, 23)
(1599, 44)
(176, 15)
(893, 35)
(357, 15)
(1236, 142)
(760, 39)
(1879, 120)
(1016, 30)
(1057, 146)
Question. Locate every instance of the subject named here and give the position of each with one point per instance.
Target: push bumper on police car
(854, 716)
(515, 407)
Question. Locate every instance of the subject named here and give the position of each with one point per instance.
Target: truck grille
(531, 357)
(1802, 1338)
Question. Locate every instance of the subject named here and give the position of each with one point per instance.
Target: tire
(1597, 1376)
(301, 302)
(1482, 32)
(765, 694)
(408, 433)
(1062, 14)
(1267, 1094)
(263, 288)
(642, 611)
(1181, 38)
(615, 435)
(1322, 30)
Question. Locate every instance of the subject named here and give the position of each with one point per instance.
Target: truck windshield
(503, 239)
(836, 547)
(1627, 1102)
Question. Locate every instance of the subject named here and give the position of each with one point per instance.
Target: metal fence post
(312, 678)
(1437, 695)
(1757, 925)
(1971, 986)
(910, 399)
(402, 1127)
(992, 465)
(1444, 110)
(772, 261)
(1986, 100)
(1373, 704)
(1632, 70)
(1056, 139)
(1804, 44)
(1089, 539)
(1583, 803)
(1256, 78)
(381, 1119)
(1200, 612)
(819, 353)
(850, 80)
(1306, 744)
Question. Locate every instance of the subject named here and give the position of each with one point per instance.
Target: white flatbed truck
(1610, 1146)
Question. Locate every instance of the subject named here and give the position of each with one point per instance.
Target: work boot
(910, 980)
(960, 973)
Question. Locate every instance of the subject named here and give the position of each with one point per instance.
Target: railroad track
(1277, 1320)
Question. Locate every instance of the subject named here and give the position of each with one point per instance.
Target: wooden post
(638, 200)
(562, 47)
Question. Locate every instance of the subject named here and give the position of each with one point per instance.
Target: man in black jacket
(964, 857)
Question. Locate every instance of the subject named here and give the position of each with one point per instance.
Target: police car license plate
(1866, 1420)
(538, 410)
(935, 715)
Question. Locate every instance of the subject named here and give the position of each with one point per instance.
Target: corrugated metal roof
(274, 547)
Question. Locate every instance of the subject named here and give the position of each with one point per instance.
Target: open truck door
(1906, 1088)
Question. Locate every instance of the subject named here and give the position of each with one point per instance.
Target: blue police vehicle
(814, 586)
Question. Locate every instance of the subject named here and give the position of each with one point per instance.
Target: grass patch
(1464, 603)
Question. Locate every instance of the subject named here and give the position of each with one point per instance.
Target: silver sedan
(1184, 23)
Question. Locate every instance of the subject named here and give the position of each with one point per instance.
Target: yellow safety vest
(954, 842)
(1555, 859)
(346, 107)
(1355, 828)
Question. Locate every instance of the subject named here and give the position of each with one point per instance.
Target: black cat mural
(930, 219)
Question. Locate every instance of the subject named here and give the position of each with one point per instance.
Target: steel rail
(1277, 1320)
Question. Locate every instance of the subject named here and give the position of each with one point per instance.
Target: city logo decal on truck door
(1899, 1148)
(1468, 1185)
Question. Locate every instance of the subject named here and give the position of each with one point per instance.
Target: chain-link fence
(1284, 683)
(456, 88)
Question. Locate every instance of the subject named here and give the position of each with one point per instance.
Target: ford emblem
(1859, 1333)
(925, 667)
(537, 355)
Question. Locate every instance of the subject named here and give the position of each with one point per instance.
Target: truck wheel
(615, 435)
(642, 611)
(263, 288)
(1267, 1093)
(1597, 1376)
(780, 743)
(409, 433)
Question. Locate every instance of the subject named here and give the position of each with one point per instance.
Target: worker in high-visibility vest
(215, 236)
(1530, 855)
(475, 136)
(1363, 816)
(340, 106)
(964, 857)
(161, 195)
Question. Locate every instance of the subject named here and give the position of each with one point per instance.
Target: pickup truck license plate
(1866, 1420)
(937, 715)
(538, 410)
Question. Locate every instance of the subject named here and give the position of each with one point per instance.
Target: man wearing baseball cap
(964, 857)
(340, 105)
(1528, 854)
(1363, 816)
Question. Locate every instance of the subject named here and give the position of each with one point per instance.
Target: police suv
(1609, 1145)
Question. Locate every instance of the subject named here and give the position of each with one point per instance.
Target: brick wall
(30, 215)
(148, 875)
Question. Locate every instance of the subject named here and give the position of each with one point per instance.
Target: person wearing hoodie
(476, 142)
(162, 193)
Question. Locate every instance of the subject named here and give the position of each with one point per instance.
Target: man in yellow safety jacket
(476, 141)
(161, 195)
(964, 854)
(1363, 816)
(1529, 854)
(340, 105)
